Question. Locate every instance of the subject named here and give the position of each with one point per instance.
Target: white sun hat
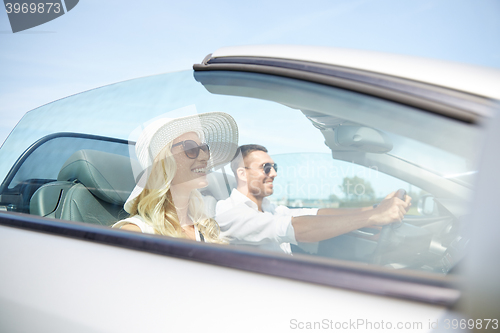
(217, 129)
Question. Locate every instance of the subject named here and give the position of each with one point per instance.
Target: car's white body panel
(477, 80)
(111, 289)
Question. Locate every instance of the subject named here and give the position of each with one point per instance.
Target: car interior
(92, 186)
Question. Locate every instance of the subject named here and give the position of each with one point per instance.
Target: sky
(102, 42)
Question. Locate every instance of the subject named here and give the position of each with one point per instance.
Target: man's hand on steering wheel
(390, 210)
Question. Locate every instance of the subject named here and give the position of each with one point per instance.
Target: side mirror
(426, 205)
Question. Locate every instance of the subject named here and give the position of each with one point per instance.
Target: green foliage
(333, 198)
(356, 189)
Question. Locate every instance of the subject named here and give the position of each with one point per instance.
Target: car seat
(91, 187)
(219, 187)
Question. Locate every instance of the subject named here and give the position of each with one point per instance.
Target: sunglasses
(267, 167)
(192, 149)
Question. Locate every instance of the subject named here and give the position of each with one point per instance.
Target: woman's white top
(145, 227)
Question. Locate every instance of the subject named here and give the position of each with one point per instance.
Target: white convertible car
(345, 127)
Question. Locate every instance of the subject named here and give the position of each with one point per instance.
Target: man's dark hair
(241, 153)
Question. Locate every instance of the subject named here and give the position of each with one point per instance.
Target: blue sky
(102, 42)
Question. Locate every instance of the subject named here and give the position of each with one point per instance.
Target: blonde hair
(156, 207)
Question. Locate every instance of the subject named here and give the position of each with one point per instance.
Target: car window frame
(447, 102)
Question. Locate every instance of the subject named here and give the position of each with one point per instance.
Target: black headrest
(108, 176)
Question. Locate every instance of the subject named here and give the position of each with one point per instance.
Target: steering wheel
(384, 240)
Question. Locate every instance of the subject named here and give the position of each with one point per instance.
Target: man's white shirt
(242, 223)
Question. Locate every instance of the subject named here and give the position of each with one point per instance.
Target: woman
(175, 155)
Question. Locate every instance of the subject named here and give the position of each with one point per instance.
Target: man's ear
(242, 175)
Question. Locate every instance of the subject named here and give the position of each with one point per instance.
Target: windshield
(436, 160)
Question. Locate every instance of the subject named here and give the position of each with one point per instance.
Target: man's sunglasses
(267, 167)
(192, 149)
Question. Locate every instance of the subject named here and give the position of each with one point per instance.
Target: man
(248, 217)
